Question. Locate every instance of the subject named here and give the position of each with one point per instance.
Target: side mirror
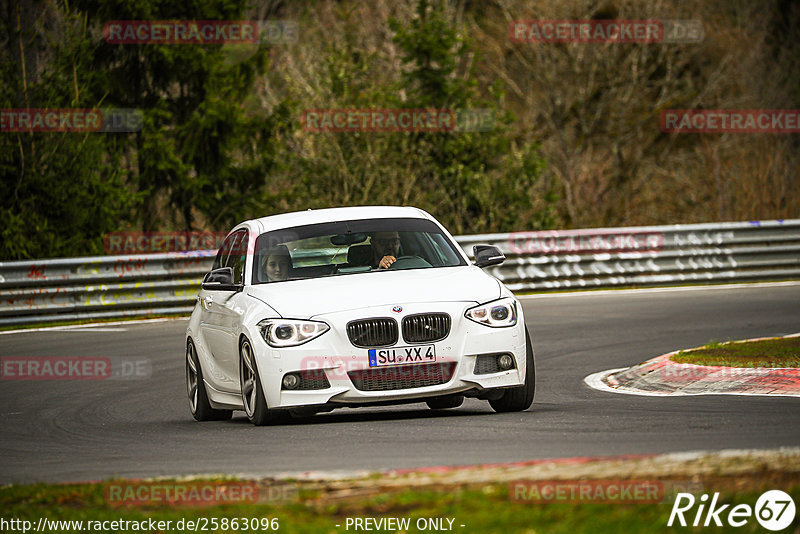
(221, 278)
(486, 255)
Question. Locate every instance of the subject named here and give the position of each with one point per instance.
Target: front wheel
(519, 398)
(196, 389)
(253, 399)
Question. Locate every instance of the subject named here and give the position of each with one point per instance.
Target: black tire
(253, 400)
(443, 403)
(519, 398)
(199, 404)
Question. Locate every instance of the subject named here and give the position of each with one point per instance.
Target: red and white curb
(661, 377)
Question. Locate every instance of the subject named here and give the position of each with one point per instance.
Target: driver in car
(385, 249)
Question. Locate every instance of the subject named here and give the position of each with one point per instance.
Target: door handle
(206, 302)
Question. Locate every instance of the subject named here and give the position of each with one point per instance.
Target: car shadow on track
(369, 415)
(373, 414)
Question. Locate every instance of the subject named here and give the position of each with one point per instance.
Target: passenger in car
(276, 264)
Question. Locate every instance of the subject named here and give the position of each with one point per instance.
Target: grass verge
(315, 507)
(776, 352)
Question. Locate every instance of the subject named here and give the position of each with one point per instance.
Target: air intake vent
(402, 376)
(313, 379)
(426, 327)
(378, 332)
(486, 364)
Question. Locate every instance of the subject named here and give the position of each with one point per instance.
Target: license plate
(402, 355)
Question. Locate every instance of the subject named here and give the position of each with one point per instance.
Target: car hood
(306, 298)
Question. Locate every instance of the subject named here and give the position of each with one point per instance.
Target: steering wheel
(409, 262)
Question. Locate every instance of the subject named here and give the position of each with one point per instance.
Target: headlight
(497, 314)
(290, 332)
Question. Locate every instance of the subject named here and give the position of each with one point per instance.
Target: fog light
(291, 381)
(504, 362)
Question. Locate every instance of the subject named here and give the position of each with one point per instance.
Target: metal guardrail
(647, 255)
(67, 289)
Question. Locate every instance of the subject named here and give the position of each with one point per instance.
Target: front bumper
(340, 361)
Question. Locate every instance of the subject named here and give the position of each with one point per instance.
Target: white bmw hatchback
(344, 307)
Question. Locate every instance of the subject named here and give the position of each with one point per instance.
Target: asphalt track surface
(95, 430)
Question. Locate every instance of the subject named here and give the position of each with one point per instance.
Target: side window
(238, 255)
(437, 251)
(445, 254)
(224, 251)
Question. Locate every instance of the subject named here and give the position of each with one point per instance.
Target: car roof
(311, 216)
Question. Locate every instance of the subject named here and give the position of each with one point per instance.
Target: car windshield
(348, 247)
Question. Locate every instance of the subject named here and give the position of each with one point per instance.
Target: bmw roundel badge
(397, 309)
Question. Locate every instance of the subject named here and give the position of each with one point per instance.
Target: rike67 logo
(774, 510)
